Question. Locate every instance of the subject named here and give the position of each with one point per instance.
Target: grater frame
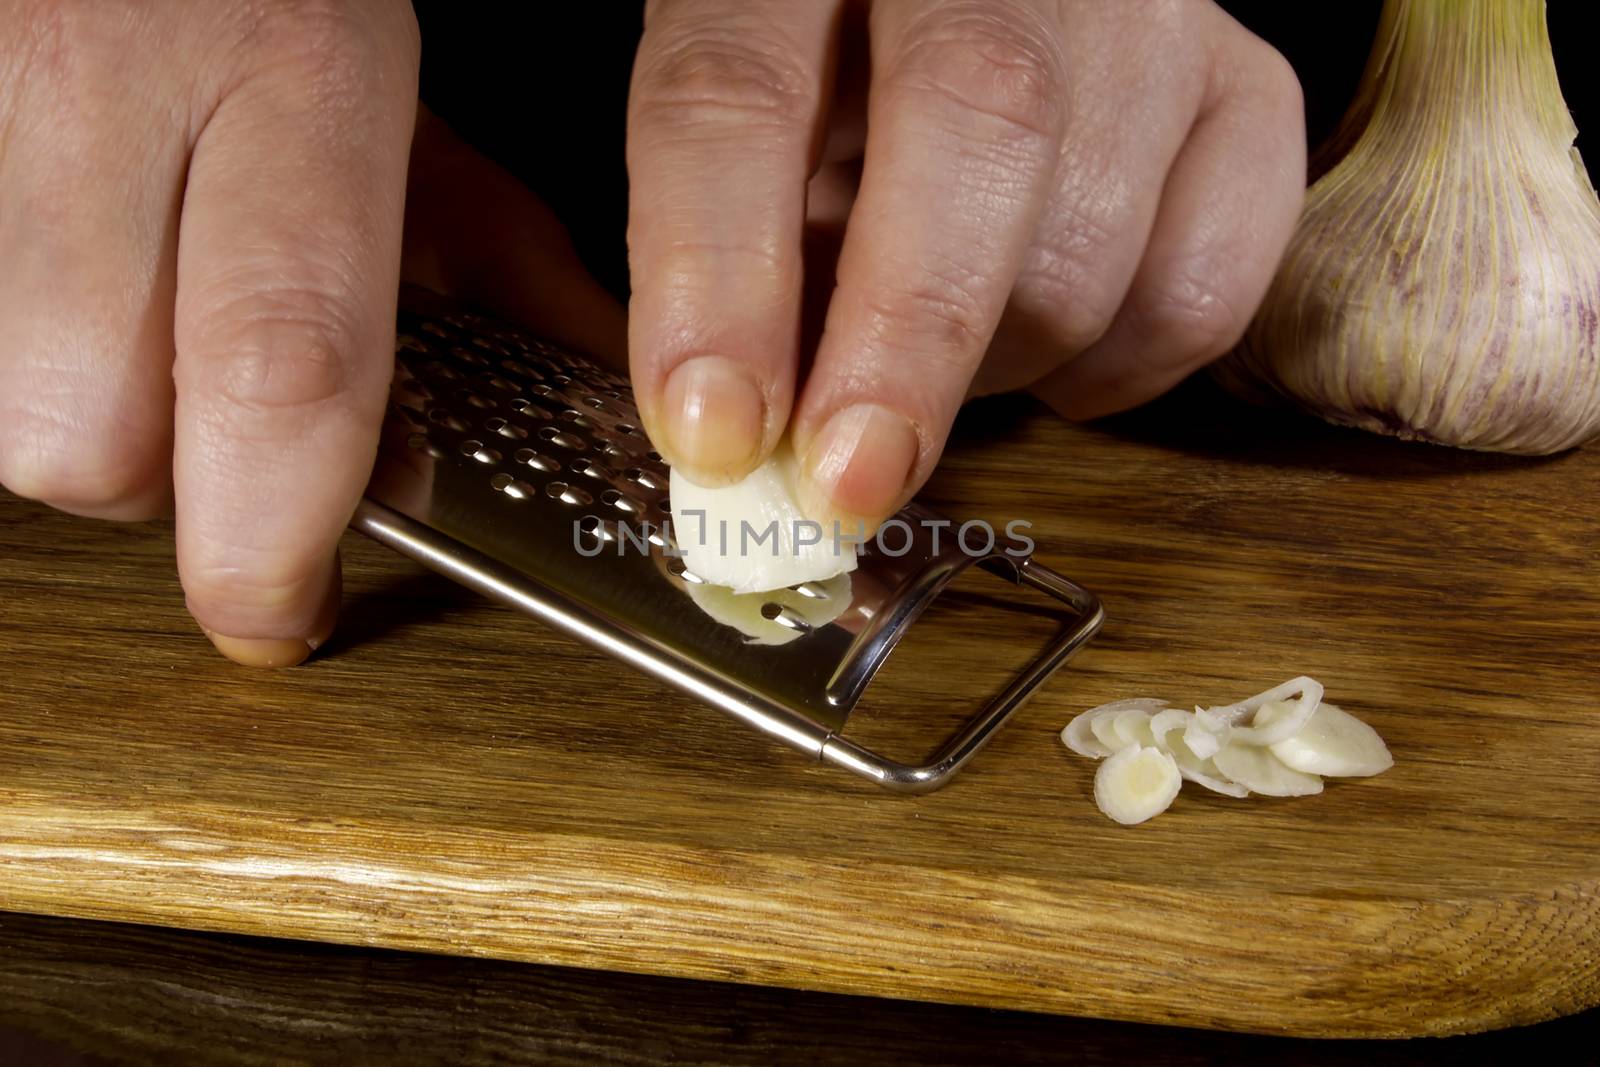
(494, 436)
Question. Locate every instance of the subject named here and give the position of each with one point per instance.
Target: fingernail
(252, 652)
(717, 419)
(290, 651)
(855, 470)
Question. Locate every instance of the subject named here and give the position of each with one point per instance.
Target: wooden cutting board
(451, 776)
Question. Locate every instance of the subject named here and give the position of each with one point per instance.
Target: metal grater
(516, 468)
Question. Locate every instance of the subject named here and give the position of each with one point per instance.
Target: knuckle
(936, 314)
(47, 458)
(1191, 318)
(64, 41)
(287, 349)
(705, 73)
(1064, 283)
(990, 60)
(332, 47)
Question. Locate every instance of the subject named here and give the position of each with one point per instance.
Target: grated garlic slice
(1136, 784)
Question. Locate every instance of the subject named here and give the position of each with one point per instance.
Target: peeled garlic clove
(1258, 770)
(1334, 743)
(1136, 784)
(776, 617)
(751, 536)
(1444, 279)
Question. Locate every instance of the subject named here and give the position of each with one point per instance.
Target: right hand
(201, 206)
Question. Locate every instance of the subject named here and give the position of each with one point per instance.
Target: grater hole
(568, 494)
(467, 396)
(678, 569)
(468, 356)
(541, 390)
(592, 469)
(441, 370)
(783, 616)
(628, 428)
(537, 460)
(810, 590)
(420, 442)
(405, 342)
(653, 456)
(561, 438)
(524, 406)
(505, 429)
(416, 388)
(643, 477)
(561, 379)
(443, 417)
(480, 452)
(435, 329)
(577, 418)
(491, 346)
(411, 416)
(515, 488)
(595, 402)
(494, 381)
(598, 529)
(664, 505)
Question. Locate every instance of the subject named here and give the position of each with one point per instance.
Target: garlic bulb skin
(1443, 283)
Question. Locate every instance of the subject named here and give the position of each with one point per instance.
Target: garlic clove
(775, 617)
(751, 536)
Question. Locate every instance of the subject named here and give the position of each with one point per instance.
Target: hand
(1084, 197)
(201, 209)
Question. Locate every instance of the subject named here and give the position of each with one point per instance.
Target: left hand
(1084, 197)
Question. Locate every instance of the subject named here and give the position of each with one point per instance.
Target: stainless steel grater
(520, 471)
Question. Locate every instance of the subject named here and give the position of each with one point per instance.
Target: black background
(542, 88)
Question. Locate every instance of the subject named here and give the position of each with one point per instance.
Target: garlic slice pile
(1278, 743)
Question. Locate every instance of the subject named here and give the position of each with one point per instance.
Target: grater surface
(521, 470)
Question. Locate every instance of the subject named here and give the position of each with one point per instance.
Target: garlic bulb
(1444, 280)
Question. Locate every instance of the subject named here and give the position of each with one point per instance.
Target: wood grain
(89, 994)
(450, 776)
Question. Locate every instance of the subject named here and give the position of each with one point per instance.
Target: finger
(724, 119)
(475, 232)
(89, 183)
(1227, 212)
(1128, 120)
(288, 265)
(963, 137)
